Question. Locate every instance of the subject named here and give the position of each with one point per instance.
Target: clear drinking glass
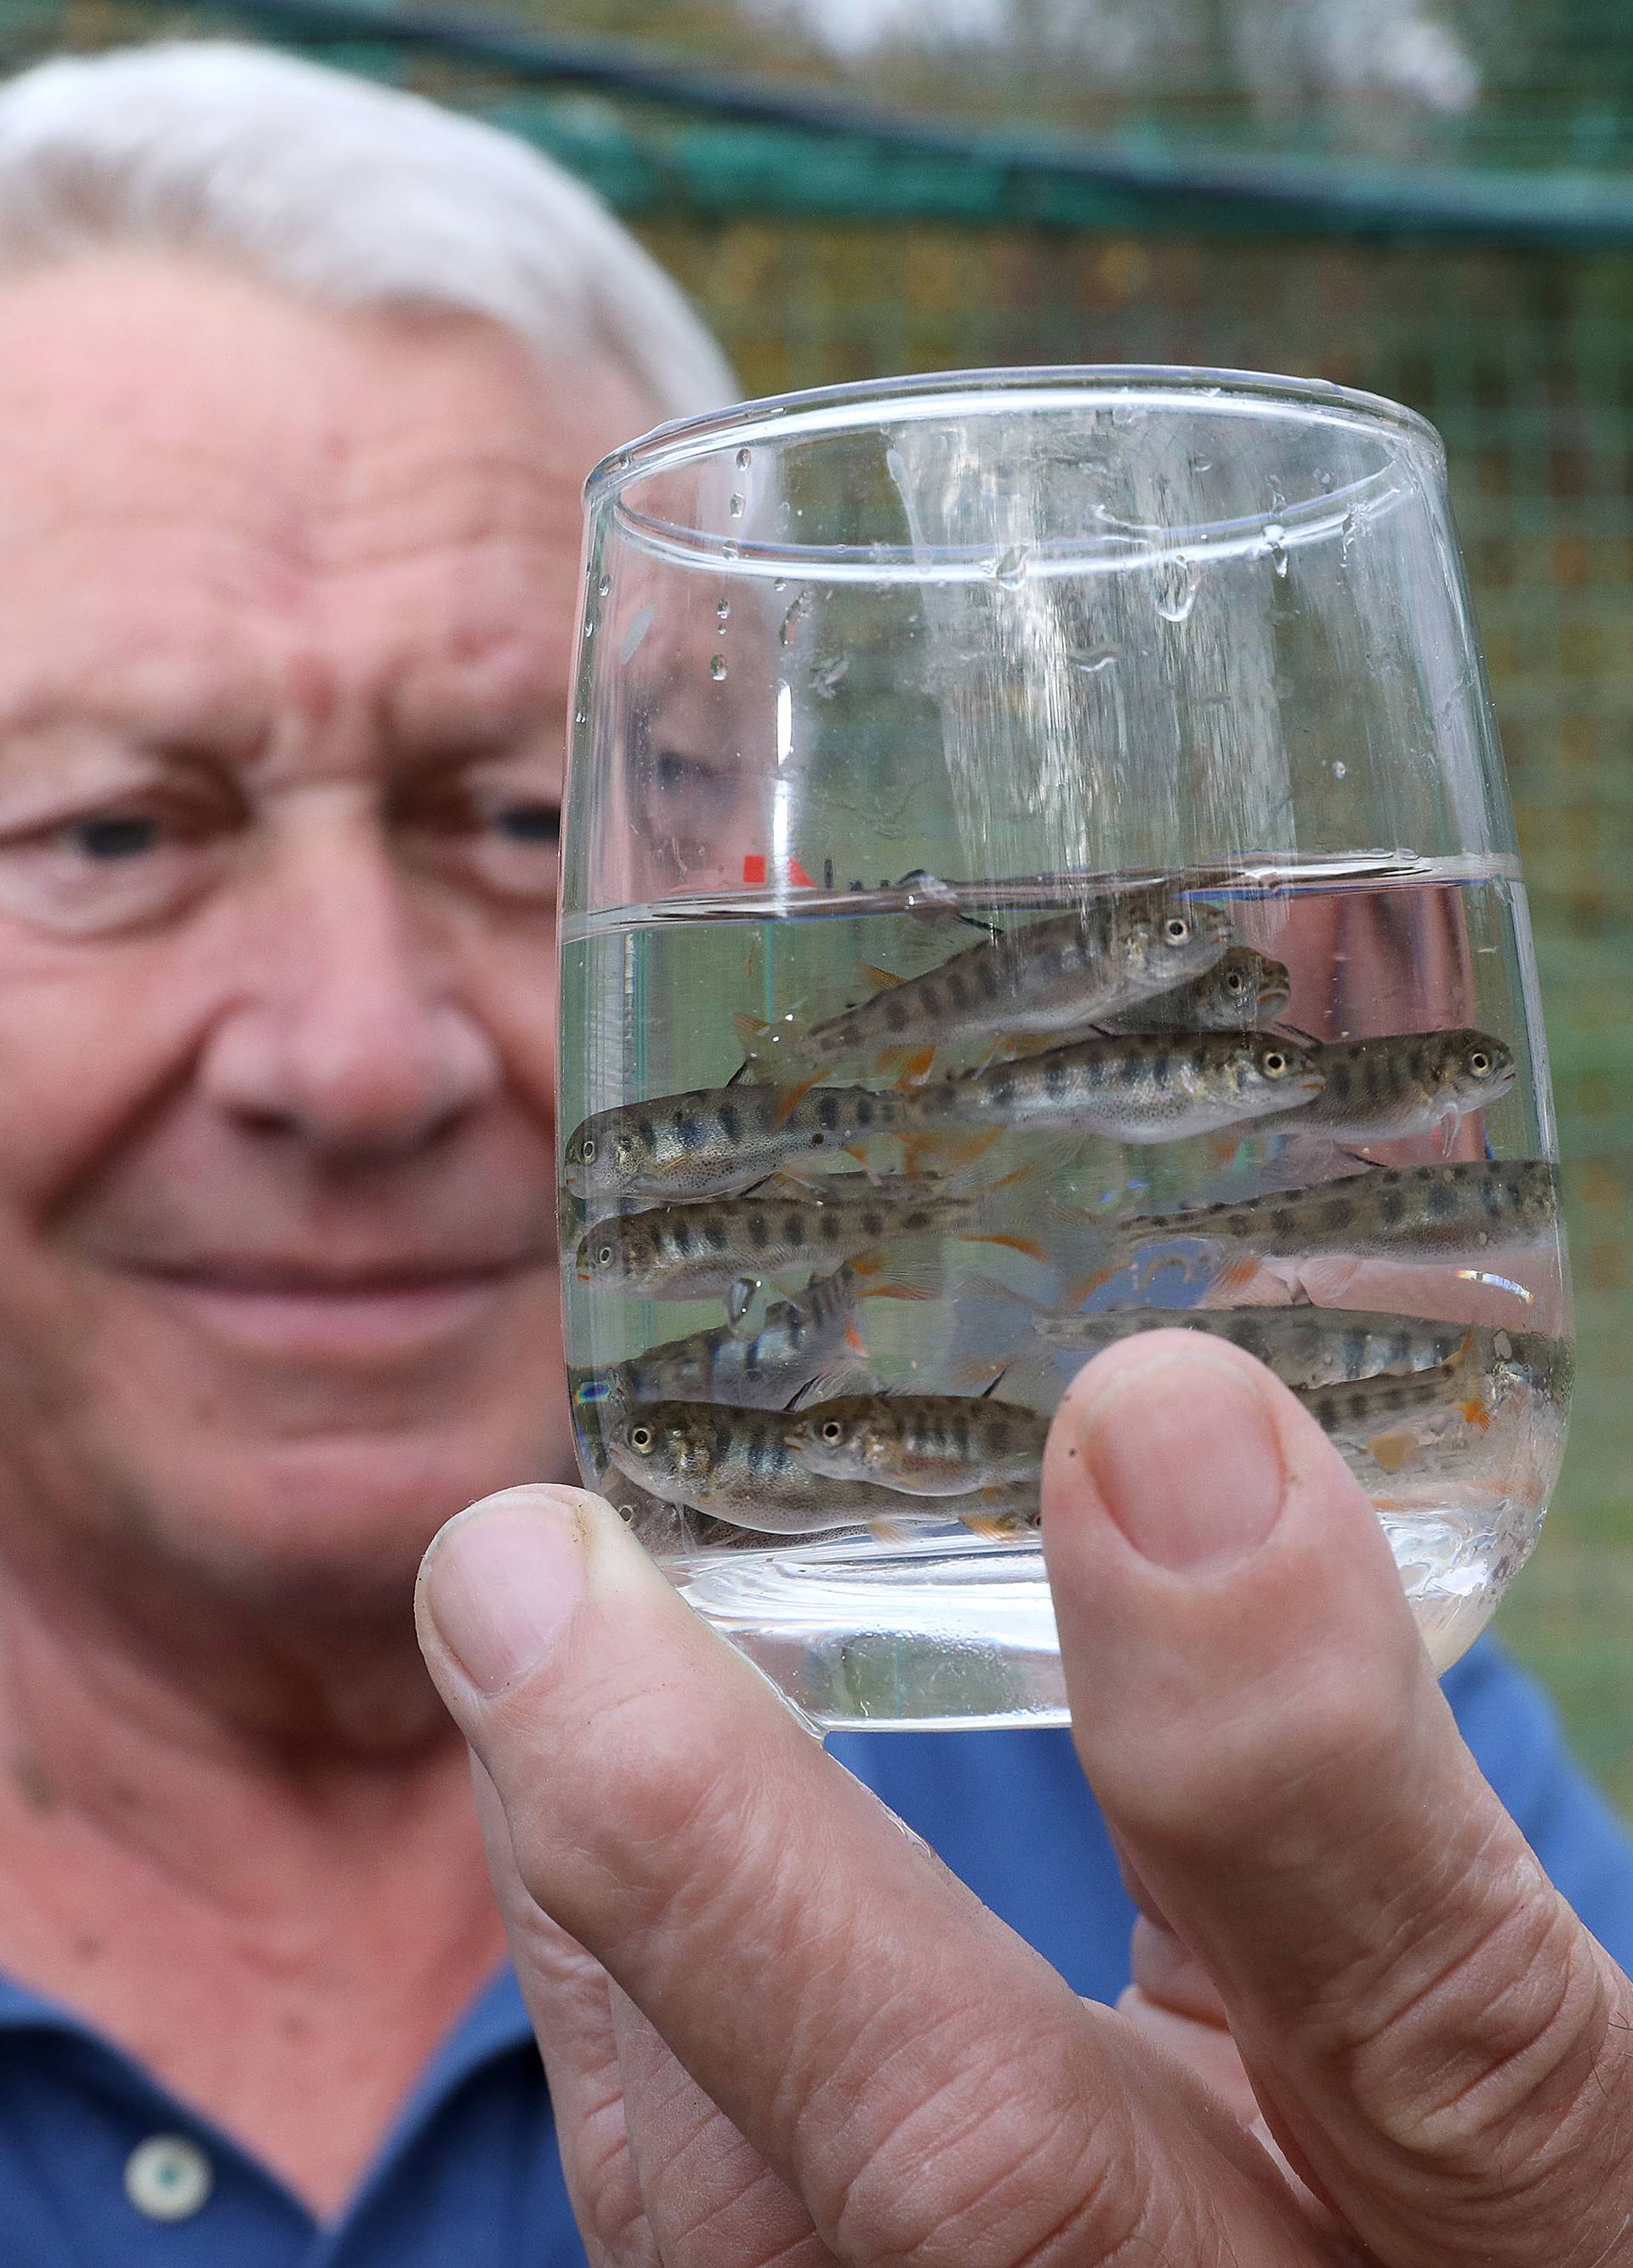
(1116, 744)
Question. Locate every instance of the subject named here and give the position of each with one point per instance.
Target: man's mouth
(365, 1313)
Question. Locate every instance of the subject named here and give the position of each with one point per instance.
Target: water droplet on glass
(1009, 567)
(580, 716)
(1275, 544)
(731, 549)
(1175, 579)
(589, 626)
(1340, 769)
(722, 611)
(603, 586)
(717, 668)
(1345, 537)
(1098, 658)
(1323, 481)
(736, 506)
(744, 456)
(779, 581)
(827, 678)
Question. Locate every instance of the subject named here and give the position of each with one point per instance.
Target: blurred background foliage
(1429, 198)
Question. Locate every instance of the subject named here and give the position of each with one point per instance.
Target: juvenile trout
(814, 1340)
(940, 1444)
(717, 1141)
(1390, 1089)
(675, 1531)
(1237, 994)
(1061, 974)
(699, 1251)
(1408, 1211)
(1136, 1088)
(735, 1465)
(1306, 1347)
(1376, 1414)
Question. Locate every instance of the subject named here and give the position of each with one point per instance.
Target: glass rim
(921, 396)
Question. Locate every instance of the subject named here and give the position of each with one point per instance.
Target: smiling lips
(334, 1315)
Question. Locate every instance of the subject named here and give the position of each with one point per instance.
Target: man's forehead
(216, 470)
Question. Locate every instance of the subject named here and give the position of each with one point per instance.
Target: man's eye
(124, 835)
(528, 822)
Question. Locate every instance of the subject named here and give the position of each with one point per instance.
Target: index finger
(924, 2082)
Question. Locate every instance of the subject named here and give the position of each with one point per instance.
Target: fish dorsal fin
(880, 979)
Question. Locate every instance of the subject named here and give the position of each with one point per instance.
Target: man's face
(286, 612)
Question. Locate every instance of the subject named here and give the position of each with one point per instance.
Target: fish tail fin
(791, 1097)
(911, 1065)
(947, 1153)
(1029, 1245)
(894, 1531)
(996, 1527)
(911, 1276)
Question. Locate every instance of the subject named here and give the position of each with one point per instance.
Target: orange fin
(880, 979)
(792, 1098)
(854, 1340)
(1236, 1275)
(995, 1526)
(909, 1278)
(895, 1531)
(1475, 1411)
(947, 1152)
(911, 1063)
(1391, 1450)
(1029, 1245)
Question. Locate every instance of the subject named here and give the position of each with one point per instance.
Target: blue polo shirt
(100, 2168)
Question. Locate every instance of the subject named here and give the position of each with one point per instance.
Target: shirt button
(167, 2177)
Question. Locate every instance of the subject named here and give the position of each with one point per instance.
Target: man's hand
(777, 2030)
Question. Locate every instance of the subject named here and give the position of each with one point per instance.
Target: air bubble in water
(736, 506)
(722, 611)
(731, 549)
(744, 456)
(1339, 769)
(1275, 544)
(1175, 579)
(779, 581)
(717, 668)
(1009, 567)
(603, 586)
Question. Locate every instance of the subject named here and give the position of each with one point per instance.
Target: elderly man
(300, 381)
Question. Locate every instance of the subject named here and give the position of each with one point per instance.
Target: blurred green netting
(1475, 261)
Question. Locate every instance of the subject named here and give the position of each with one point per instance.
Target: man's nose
(347, 1026)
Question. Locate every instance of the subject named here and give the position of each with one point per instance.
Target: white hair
(349, 193)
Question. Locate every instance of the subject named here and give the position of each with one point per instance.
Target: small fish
(1244, 990)
(1407, 1211)
(719, 1141)
(939, 1445)
(1061, 974)
(675, 1531)
(735, 1464)
(1135, 1088)
(1305, 1346)
(699, 1251)
(811, 1342)
(1391, 1089)
(1359, 1414)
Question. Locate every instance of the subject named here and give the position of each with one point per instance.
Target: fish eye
(1274, 1064)
(605, 1256)
(1480, 1063)
(587, 1148)
(833, 1431)
(1176, 929)
(640, 1439)
(1234, 980)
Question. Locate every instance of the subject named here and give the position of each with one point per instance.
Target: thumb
(1430, 2029)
